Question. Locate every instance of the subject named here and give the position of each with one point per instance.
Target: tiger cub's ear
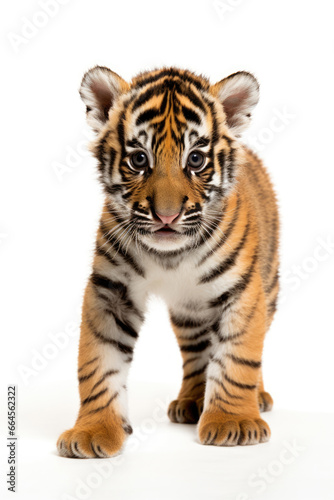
(239, 94)
(100, 88)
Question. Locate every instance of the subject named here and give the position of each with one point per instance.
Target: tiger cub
(189, 214)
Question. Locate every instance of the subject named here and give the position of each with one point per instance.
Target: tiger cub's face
(167, 150)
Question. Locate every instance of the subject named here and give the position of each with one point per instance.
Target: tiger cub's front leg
(194, 339)
(231, 407)
(110, 322)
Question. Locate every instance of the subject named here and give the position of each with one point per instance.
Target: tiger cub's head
(167, 149)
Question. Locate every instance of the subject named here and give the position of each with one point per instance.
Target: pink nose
(167, 219)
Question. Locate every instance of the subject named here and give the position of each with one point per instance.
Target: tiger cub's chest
(181, 286)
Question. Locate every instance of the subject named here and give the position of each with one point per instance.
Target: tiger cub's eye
(139, 160)
(195, 161)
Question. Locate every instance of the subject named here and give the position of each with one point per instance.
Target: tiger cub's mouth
(165, 231)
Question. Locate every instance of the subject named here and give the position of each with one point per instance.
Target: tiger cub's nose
(168, 219)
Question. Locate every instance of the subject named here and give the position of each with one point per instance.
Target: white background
(50, 205)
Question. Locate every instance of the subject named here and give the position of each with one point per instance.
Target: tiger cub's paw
(185, 411)
(92, 441)
(265, 401)
(220, 429)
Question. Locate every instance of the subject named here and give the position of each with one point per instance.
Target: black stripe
(104, 406)
(105, 254)
(165, 103)
(272, 285)
(272, 306)
(193, 98)
(217, 396)
(200, 371)
(87, 363)
(125, 349)
(156, 142)
(174, 136)
(192, 218)
(145, 96)
(227, 139)
(102, 379)
(186, 322)
(226, 235)
(214, 132)
(126, 328)
(235, 291)
(220, 382)
(127, 195)
(112, 153)
(247, 362)
(147, 116)
(228, 262)
(201, 142)
(199, 347)
(273, 244)
(102, 281)
(121, 133)
(159, 126)
(172, 73)
(197, 385)
(100, 151)
(238, 384)
(197, 208)
(95, 397)
(207, 173)
(233, 336)
(134, 143)
(221, 161)
(168, 259)
(168, 83)
(195, 336)
(215, 403)
(114, 189)
(190, 115)
(230, 165)
(217, 361)
(83, 378)
(190, 360)
(121, 290)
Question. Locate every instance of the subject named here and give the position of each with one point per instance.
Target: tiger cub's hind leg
(194, 340)
(264, 398)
